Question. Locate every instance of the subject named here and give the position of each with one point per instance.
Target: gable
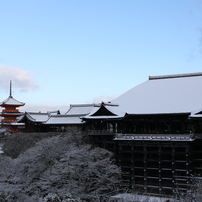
(102, 111)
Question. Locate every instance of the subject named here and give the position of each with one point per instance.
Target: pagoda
(10, 114)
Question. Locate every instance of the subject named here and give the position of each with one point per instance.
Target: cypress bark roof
(163, 95)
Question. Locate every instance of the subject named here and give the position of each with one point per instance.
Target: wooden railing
(10, 110)
(9, 120)
(160, 137)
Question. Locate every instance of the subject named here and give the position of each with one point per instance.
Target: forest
(56, 167)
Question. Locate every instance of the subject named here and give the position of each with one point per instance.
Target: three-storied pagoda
(10, 114)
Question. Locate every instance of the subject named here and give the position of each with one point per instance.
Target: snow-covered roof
(105, 111)
(78, 109)
(163, 95)
(37, 116)
(63, 119)
(11, 101)
(72, 116)
(11, 114)
(13, 124)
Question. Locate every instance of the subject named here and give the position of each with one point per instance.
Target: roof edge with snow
(175, 76)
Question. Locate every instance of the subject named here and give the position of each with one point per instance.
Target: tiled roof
(37, 116)
(80, 109)
(64, 119)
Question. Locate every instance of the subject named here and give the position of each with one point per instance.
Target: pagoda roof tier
(10, 101)
(11, 114)
(13, 124)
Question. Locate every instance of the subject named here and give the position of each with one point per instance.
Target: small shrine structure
(10, 114)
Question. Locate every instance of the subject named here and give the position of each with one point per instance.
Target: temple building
(10, 113)
(155, 130)
(34, 121)
(71, 119)
(53, 121)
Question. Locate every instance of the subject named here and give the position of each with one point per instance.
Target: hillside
(63, 167)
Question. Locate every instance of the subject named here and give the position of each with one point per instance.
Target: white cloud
(21, 79)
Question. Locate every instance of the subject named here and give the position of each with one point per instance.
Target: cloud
(21, 79)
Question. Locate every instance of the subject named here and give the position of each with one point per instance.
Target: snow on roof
(101, 117)
(37, 116)
(163, 94)
(17, 124)
(80, 109)
(13, 113)
(11, 101)
(115, 110)
(111, 111)
(175, 76)
(64, 119)
(56, 112)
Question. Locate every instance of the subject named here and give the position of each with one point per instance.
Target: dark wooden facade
(33, 124)
(158, 154)
(148, 124)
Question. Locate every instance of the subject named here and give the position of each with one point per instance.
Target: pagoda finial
(10, 88)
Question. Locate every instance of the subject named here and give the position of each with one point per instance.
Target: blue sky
(82, 51)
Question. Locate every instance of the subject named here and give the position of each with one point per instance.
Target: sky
(66, 52)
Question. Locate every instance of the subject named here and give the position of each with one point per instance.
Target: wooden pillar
(145, 126)
(188, 167)
(183, 128)
(145, 165)
(134, 126)
(132, 167)
(160, 167)
(173, 167)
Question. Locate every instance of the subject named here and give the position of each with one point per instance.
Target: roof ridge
(82, 105)
(175, 76)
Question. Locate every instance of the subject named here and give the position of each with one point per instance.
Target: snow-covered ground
(136, 197)
(1, 151)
